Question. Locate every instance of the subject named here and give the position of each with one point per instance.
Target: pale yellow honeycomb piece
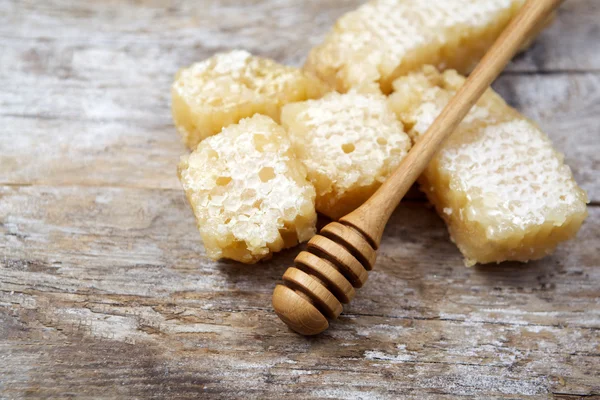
(227, 87)
(371, 46)
(503, 190)
(248, 191)
(350, 143)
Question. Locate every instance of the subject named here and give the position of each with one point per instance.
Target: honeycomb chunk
(350, 143)
(248, 191)
(503, 190)
(371, 46)
(227, 87)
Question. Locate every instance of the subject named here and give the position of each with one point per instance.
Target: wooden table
(105, 291)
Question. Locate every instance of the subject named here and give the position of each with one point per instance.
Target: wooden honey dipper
(338, 259)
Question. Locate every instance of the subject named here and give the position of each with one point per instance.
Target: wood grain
(105, 291)
(86, 271)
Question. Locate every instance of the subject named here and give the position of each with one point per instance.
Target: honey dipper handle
(371, 218)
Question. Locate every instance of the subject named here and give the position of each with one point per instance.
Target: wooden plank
(104, 119)
(155, 39)
(569, 45)
(110, 138)
(105, 291)
(121, 274)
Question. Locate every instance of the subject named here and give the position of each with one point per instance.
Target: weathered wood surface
(105, 291)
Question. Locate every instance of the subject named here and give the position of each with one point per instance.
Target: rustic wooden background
(105, 291)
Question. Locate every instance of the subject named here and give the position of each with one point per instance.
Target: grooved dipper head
(297, 312)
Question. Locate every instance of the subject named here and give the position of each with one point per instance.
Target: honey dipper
(337, 260)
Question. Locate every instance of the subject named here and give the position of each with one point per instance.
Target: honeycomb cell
(371, 46)
(248, 191)
(220, 91)
(503, 190)
(350, 143)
